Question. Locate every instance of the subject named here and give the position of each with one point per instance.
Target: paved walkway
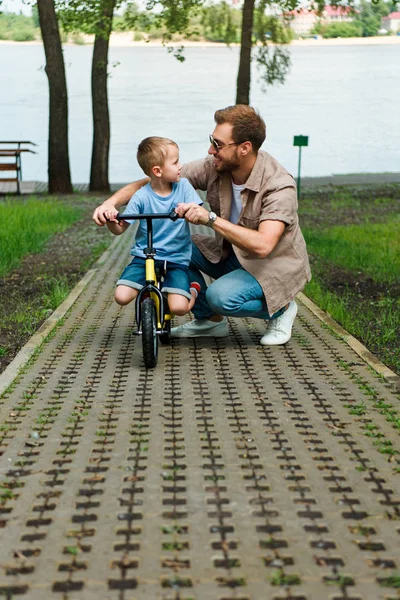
(231, 471)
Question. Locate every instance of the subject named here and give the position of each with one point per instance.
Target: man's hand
(193, 213)
(258, 242)
(111, 215)
(102, 213)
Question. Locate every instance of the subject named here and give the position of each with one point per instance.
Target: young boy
(159, 159)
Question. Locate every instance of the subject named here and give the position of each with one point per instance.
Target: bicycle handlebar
(172, 215)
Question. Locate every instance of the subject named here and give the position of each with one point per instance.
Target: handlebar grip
(172, 215)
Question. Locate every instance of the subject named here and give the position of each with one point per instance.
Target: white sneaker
(280, 329)
(201, 328)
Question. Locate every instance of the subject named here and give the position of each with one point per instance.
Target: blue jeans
(234, 293)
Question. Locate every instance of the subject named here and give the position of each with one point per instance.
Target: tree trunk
(101, 117)
(58, 165)
(244, 75)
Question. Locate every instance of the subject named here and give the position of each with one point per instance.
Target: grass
(280, 578)
(373, 248)
(27, 317)
(26, 226)
(383, 313)
(352, 238)
(46, 245)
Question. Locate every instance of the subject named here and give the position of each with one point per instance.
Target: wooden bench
(10, 160)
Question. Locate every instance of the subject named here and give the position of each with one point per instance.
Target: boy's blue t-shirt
(171, 239)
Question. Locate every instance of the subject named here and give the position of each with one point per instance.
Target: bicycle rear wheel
(149, 333)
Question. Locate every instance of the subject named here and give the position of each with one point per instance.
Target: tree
(95, 17)
(261, 26)
(101, 118)
(220, 22)
(369, 16)
(58, 162)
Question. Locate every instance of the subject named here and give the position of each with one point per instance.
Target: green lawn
(26, 226)
(373, 248)
(352, 236)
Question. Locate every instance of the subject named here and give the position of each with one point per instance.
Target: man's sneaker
(280, 329)
(201, 328)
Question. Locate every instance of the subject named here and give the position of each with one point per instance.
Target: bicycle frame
(151, 278)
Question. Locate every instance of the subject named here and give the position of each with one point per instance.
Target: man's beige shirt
(268, 194)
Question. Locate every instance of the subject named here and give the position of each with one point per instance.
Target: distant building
(303, 21)
(391, 23)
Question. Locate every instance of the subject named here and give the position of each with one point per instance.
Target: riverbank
(40, 187)
(125, 40)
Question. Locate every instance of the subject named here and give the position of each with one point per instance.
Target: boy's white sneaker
(201, 328)
(280, 329)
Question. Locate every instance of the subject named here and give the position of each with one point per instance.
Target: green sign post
(300, 141)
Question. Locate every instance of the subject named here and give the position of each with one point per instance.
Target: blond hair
(152, 152)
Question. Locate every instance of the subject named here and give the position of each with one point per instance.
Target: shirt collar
(255, 178)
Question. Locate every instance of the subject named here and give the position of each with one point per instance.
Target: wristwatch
(212, 217)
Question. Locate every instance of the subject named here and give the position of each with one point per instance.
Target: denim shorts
(176, 278)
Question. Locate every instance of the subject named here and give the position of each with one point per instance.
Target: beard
(227, 165)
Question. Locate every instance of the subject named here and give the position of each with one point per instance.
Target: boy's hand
(193, 213)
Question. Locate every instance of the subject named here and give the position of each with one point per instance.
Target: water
(345, 98)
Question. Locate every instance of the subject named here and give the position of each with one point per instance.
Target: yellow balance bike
(153, 317)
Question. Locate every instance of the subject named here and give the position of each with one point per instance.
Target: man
(258, 257)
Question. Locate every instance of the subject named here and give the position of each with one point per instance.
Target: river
(345, 98)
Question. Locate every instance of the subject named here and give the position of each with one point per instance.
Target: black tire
(165, 336)
(149, 333)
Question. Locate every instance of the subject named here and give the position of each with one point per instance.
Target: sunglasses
(217, 146)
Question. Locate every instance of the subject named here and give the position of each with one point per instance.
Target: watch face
(211, 218)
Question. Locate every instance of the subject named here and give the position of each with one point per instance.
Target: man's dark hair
(247, 124)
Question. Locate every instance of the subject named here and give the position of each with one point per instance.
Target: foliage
(79, 16)
(221, 22)
(269, 27)
(273, 65)
(18, 28)
(340, 30)
(369, 16)
(35, 16)
(366, 21)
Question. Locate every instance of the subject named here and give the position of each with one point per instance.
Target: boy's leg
(180, 305)
(132, 279)
(181, 296)
(125, 294)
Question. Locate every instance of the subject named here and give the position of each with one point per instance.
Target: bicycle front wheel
(149, 333)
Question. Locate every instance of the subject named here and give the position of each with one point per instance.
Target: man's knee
(219, 302)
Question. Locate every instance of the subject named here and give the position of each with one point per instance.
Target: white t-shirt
(236, 207)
